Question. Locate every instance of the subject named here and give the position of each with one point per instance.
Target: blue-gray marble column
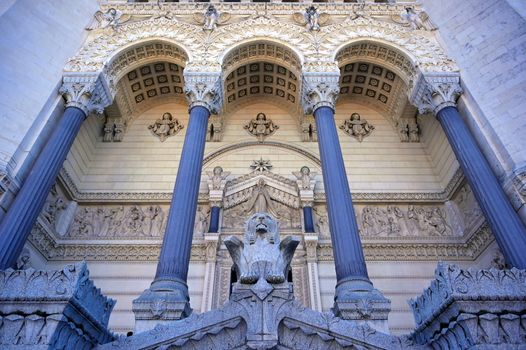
(214, 219)
(505, 223)
(23, 212)
(172, 269)
(307, 219)
(346, 245)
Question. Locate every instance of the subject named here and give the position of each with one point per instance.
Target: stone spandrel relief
(165, 127)
(261, 127)
(357, 127)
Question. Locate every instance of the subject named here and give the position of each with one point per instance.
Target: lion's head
(261, 224)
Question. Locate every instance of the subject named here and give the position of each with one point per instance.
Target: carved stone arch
(144, 51)
(209, 158)
(264, 29)
(420, 47)
(95, 55)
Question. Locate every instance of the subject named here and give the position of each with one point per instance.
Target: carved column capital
(204, 89)
(85, 92)
(435, 91)
(311, 247)
(320, 90)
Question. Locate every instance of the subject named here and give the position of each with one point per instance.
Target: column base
(165, 301)
(358, 300)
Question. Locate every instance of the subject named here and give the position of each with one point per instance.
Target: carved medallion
(357, 127)
(165, 127)
(261, 127)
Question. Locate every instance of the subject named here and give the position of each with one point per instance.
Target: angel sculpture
(217, 178)
(415, 20)
(305, 178)
(211, 18)
(261, 254)
(311, 19)
(112, 18)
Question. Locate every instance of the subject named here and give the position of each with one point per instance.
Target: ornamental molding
(320, 90)
(203, 89)
(165, 197)
(206, 50)
(435, 91)
(86, 92)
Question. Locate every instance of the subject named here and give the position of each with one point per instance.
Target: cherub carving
(311, 19)
(165, 127)
(305, 178)
(416, 21)
(261, 127)
(261, 254)
(211, 18)
(356, 127)
(217, 178)
(112, 18)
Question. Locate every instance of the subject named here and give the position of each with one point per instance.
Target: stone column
(83, 95)
(216, 188)
(437, 93)
(311, 248)
(212, 241)
(306, 183)
(355, 297)
(167, 298)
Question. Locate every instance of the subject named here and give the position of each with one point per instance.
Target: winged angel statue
(261, 255)
(211, 18)
(311, 19)
(112, 18)
(410, 18)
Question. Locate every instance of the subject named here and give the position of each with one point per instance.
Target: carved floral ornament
(192, 38)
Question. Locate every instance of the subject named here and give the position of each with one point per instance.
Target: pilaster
(311, 247)
(212, 243)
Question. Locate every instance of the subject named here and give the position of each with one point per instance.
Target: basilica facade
(384, 136)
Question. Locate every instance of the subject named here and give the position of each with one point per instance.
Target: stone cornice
(165, 197)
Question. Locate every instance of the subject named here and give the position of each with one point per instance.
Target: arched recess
(262, 70)
(143, 74)
(377, 75)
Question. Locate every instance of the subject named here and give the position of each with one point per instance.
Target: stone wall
(38, 39)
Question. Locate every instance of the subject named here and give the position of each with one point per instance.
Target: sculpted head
(305, 170)
(167, 116)
(355, 116)
(264, 225)
(218, 170)
(261, 116)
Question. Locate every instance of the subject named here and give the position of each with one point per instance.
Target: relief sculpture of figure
(260, 201)
(165, 127)
(261, 127)
(356, 127)
(217, 178)
(305, 178)
(261, 255)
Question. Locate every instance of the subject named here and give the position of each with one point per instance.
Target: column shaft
(177, 243)
(214, 219)
(19, 220)
(307, 219)
(347, 248)
(505, 224)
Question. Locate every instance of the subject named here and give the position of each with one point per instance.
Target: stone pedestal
(58, 309)
(472, 309)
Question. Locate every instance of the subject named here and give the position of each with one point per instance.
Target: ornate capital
(204, 89)
(319, 90)
(435, 91)
(85, 92)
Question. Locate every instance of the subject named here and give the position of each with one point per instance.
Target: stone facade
(110, 204)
